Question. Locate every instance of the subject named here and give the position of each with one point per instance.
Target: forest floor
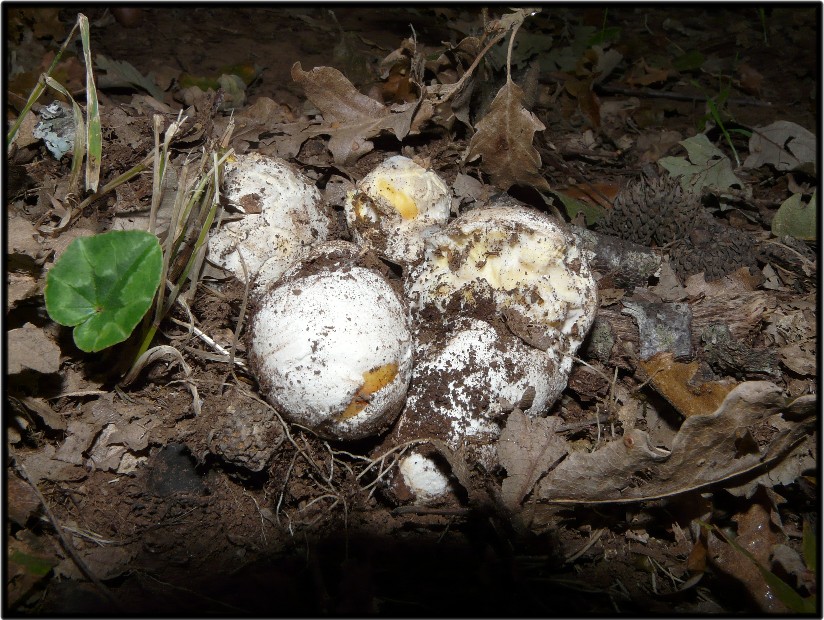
(661, 481)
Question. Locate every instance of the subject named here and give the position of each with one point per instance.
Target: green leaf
(32, 564)
(784, 591)
(690, 61)
(796, 219)
(707, 166)
(573, 206)
(606, 35)
(103, 285)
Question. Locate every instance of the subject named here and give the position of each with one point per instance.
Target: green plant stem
(39, 88)
(718, 121)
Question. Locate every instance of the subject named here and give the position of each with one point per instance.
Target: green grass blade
(784, 591)
(94, 134)
(79, 136)
(37, 90)
(809, 546)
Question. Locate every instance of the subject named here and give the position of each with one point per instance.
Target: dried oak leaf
(527, 448)
(707, 449)
(504, 141)
(257, 120)
(782, 144)
(350, 118)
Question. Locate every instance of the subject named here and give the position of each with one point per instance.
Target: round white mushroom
(283, 217)
(396, 206)
(513, 261)
(423, 479)
(332, 349)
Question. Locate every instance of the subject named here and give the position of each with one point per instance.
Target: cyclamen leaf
(103, 285)
(504, 141)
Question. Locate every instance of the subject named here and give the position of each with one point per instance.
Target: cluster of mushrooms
(486, 317)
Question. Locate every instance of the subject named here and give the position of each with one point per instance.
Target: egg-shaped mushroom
(396, 206)
(331, 347)
(513, 261)
(282, 217)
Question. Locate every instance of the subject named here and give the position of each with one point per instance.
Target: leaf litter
(656, 432)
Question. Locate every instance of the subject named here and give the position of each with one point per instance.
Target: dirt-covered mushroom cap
(396, 206)
(467, 380)
(332, 349)
(283, 216)
(513, 261)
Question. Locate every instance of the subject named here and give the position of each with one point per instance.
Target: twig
(211, 342)
(592, 540)
(241, 314)
(67, 545)
(664, 94)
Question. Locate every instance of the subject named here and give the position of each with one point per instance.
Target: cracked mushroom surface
(519, 262)
(331, 347)
(283, 216)
(396, 206)
(501, 301)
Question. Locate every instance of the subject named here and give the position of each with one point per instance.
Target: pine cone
(652, 210)
(714, 248)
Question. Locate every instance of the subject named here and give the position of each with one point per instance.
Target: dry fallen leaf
(504, 141)
(756, 536)
(675, 382)
(782, 144)
(350, 118)
(527, 448)
(105, 562)
(258, 119)
(30, 348)
(749, 79)
(707, 449)
(601, 194)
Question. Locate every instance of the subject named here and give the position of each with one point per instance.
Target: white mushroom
(283, 216)
(331, 347)
(423, 478)
(513, 261)
(396, 206)
(468, 379)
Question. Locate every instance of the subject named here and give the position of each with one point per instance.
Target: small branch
(592, 540)
(423, 510)
(663, 94)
